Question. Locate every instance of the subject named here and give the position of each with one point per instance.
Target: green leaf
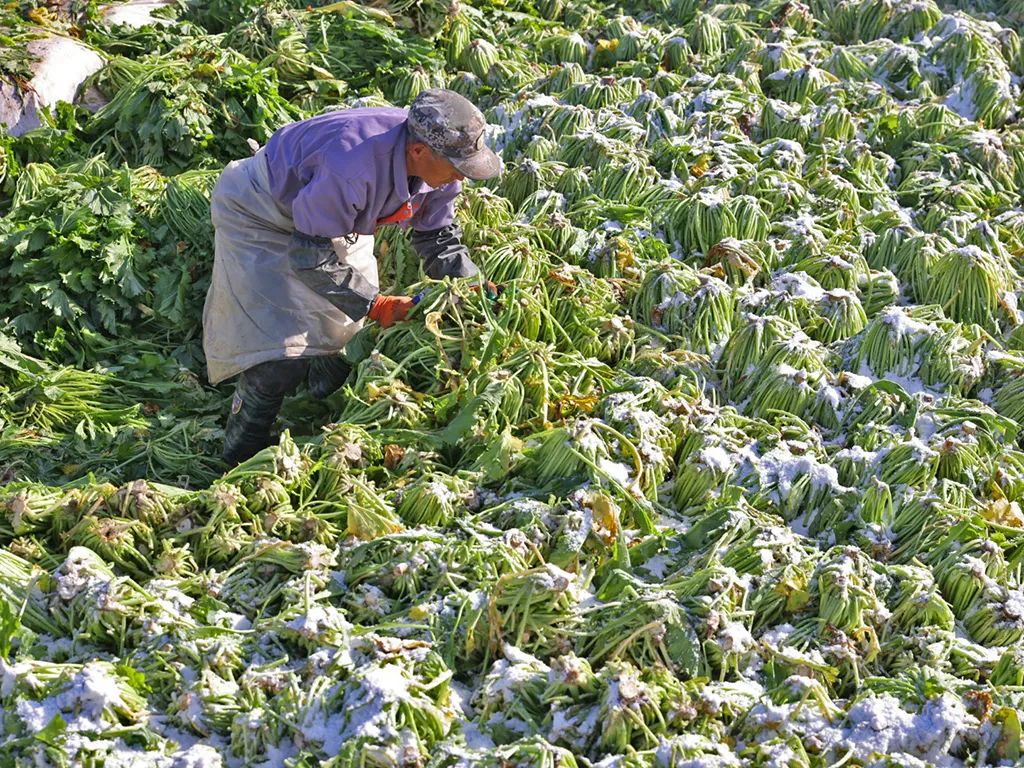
(1008, 745)
(10, 623)
(500, 456)
(38, 240)
(134, 677)
(486, 402)
(107, 313)
(118, 256)
(683, 648)
(60, 303)
(52, 733)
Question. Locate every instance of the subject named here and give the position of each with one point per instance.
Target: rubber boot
(258, 397)
(326, 375)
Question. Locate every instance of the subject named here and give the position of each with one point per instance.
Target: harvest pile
(730, 474)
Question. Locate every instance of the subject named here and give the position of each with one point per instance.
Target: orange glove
(388, 310)
(491, 290)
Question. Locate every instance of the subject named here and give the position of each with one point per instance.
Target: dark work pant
(262, 389)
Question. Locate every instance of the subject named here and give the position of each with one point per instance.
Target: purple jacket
(343, 172)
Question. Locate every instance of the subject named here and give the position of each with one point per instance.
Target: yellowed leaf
(432, 322)
(1003, 512)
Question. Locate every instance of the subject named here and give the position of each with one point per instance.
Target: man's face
(435, 170)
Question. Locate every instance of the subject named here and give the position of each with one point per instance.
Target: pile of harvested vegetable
(730, 475)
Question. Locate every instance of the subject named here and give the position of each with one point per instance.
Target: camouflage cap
(452, 126)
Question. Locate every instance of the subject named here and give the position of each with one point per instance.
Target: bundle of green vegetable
(728, 475)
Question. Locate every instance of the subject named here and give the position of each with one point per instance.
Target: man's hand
(491, 290)
(388, 310)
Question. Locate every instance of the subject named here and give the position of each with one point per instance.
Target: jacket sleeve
(443, 253)
(316, 264)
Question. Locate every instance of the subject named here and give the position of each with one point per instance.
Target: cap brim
(481, 165)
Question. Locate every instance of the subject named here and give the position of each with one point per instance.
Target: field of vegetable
(730, 475)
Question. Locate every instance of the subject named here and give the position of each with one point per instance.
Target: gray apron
(257, 309)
